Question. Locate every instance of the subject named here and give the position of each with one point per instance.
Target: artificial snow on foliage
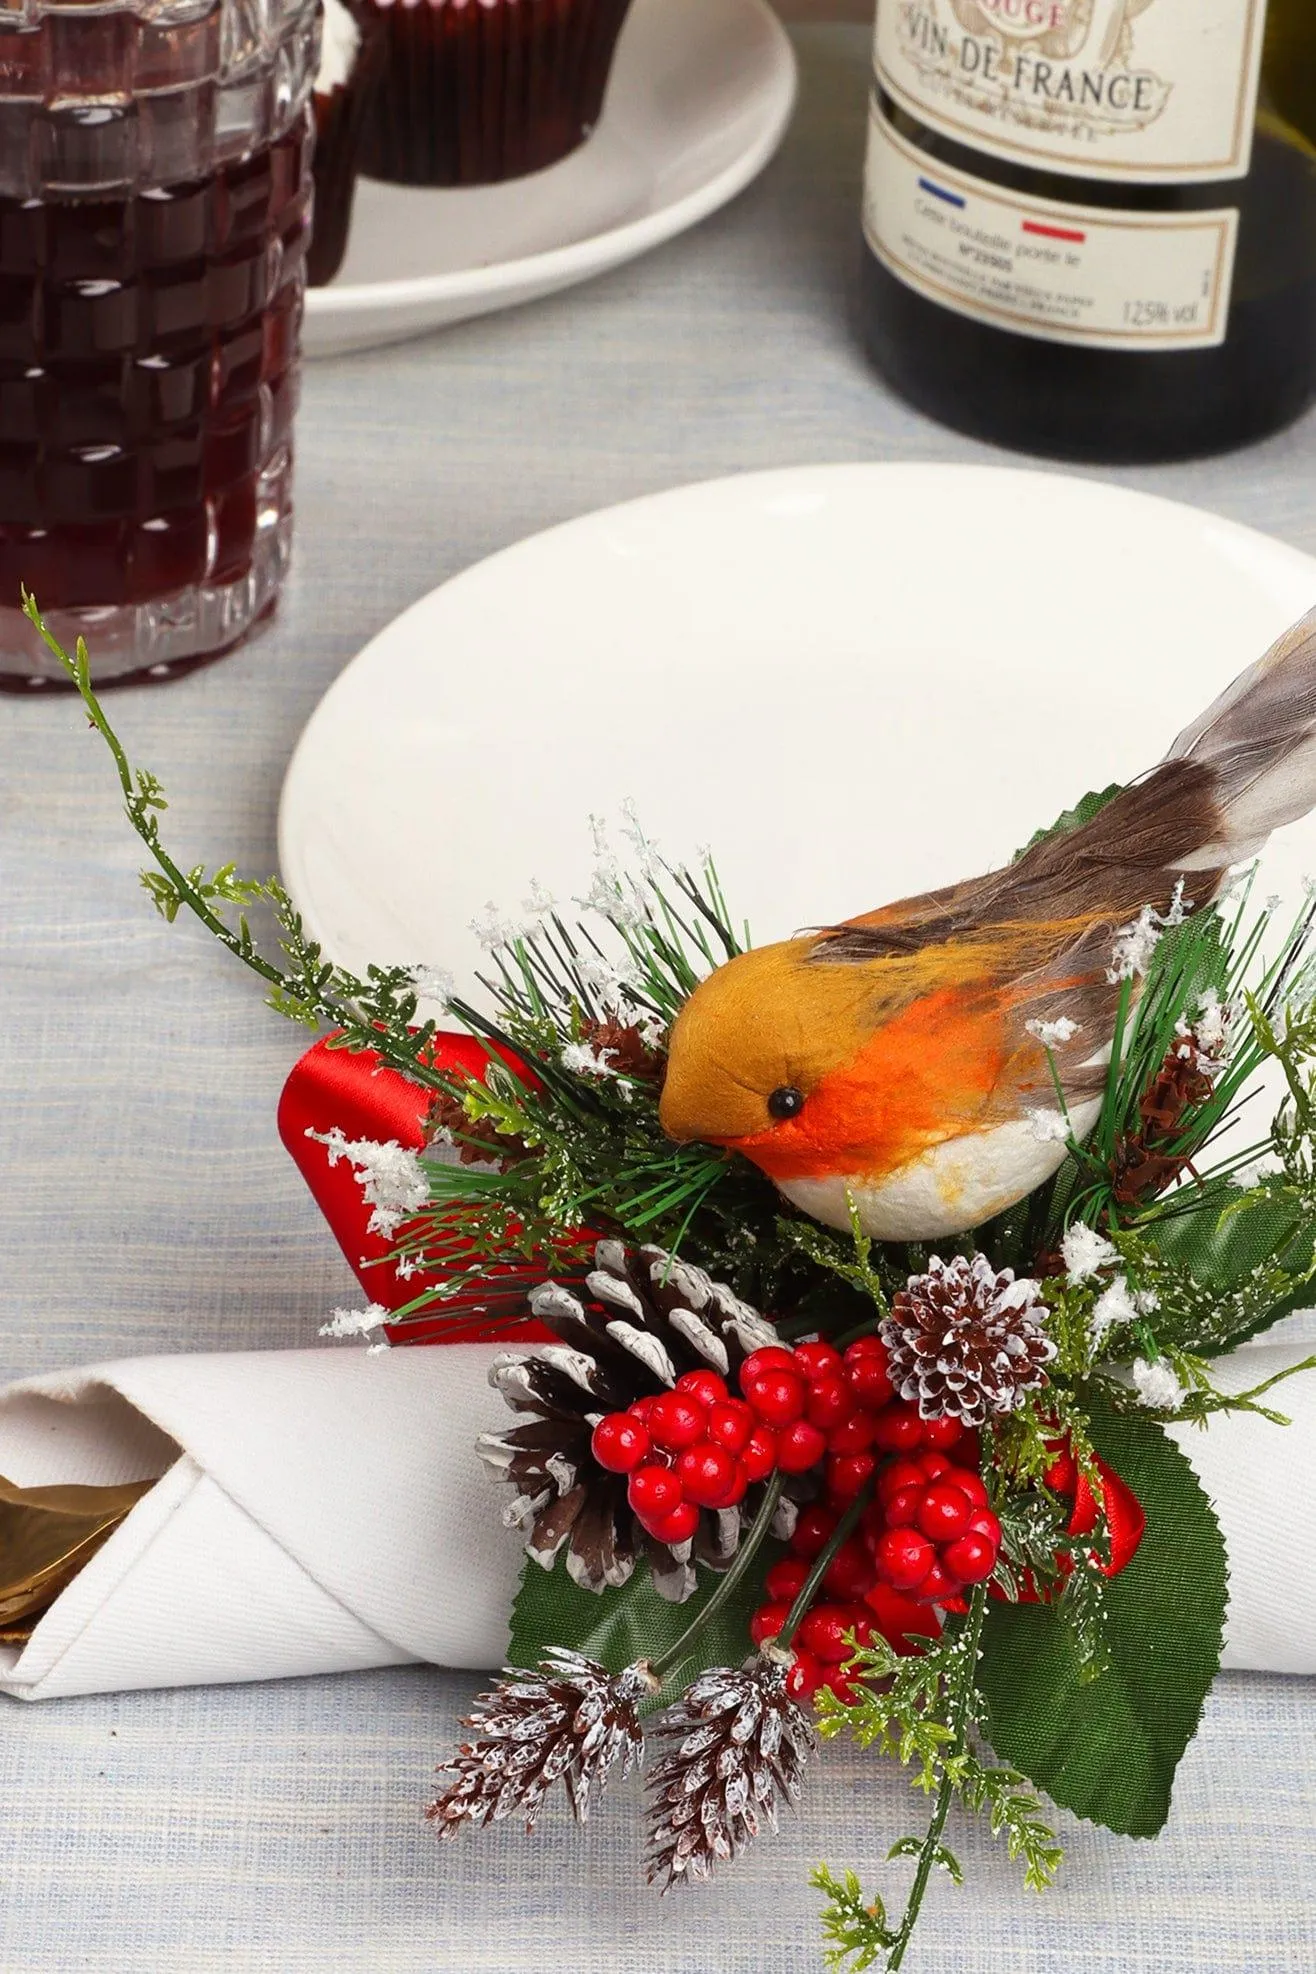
(1113, 1305)
(393, 1180)
(1085, 1252)
(1156, 1385)
(582, 1059)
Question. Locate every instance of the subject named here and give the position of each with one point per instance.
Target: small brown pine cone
(741, 1742)
(572, 1722)
(641, 1322)
(476, 1140)
(966, 1342)
(623, 1047)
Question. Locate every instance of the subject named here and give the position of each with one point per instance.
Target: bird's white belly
(947, 1190)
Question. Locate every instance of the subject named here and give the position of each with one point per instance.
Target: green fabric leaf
(1223, 1241)
(1108, 1748)
(634, 1622)
(1074, 818)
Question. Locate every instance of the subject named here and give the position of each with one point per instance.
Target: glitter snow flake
(1157, 1387)
(355, 1322)
(434, 983)
(1049, 1127)
(1114, 1305)
(1055, 1034)
(1131, 954)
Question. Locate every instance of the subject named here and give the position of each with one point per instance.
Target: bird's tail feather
(1259, 741)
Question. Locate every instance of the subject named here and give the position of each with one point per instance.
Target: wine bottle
(1091, 224)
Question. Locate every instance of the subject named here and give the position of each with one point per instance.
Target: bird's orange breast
(926, 1075)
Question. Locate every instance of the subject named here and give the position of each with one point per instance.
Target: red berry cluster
(690, 1448)
(821, 1645)
(698, 1447)
(930, 1531)
(926, 1536)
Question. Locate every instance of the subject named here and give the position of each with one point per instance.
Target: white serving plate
(700, 97)
(853, 682)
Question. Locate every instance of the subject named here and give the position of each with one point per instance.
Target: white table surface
(147, 1205)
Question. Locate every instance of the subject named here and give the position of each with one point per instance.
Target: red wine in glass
(149, 353)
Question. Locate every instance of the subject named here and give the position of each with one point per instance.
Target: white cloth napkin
(323, 1510)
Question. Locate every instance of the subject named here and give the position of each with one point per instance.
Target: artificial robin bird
(894, 1060)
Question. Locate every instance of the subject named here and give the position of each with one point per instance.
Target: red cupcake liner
(476, 91)
(341, 116)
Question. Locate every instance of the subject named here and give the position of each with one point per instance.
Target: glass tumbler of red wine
(154, 212)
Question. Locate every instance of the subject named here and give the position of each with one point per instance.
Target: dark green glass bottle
(1091, 224)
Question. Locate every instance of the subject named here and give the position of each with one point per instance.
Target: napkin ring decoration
(848, 1286)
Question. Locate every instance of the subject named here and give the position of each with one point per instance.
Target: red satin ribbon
(1122, 1512)
(355, 1092)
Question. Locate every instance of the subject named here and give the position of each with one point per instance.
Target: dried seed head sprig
(572, 1722)
(966, 1342)
(740, 1744)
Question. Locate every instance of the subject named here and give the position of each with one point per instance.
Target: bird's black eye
(786, 1101)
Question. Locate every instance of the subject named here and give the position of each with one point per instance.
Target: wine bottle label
(1090, 275)
(1159, 91)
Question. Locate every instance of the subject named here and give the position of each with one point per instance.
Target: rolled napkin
(324, 1511)
(316, 1511)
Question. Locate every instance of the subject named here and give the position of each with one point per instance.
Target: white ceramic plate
(853, 682)
(700, 97)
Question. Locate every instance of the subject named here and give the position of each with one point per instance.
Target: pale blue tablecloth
(147, 1205)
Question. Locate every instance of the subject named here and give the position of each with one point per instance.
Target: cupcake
(351, 49)
(475, 91)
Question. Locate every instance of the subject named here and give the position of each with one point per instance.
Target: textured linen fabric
(278, 1828)
(147, 1205)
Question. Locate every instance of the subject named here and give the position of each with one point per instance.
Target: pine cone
(476, 1140)
(742, 1739)
(572, 1721)
(625, 1047)
(965, 1341)
(651, 1319)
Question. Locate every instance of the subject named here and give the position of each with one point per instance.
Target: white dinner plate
(700, 97)
(852, 682)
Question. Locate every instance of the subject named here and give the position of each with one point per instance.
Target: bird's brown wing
(1071, 984)
(1130, 855)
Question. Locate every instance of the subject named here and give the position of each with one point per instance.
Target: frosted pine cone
(643, 1321)
(966, 1342)
(572, 1721)
(741, 1742)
